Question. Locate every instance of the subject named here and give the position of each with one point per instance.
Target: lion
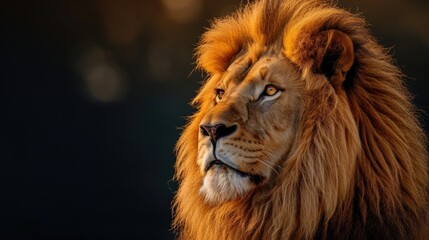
(303, 130)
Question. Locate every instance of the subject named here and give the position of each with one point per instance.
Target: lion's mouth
(253, 177)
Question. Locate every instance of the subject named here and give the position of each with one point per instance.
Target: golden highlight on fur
(336, 153)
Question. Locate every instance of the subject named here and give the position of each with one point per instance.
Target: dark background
(92, 98)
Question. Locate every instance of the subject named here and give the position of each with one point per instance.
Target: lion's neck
(252, 217)
(265, 215)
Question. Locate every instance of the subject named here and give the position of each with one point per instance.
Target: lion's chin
(222, 184)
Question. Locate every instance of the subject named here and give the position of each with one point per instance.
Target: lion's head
(250, 125)
(303, 130)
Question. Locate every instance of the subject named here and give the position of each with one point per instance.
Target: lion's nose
(217, 131)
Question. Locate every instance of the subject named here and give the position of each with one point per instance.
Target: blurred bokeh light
(93, 97)
(183, 11)
(104, 79)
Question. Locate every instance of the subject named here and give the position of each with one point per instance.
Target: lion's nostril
(225, 131)
(217, 131)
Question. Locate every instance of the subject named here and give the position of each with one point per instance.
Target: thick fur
(358, 165)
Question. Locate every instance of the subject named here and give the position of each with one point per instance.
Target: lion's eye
(219, 94)
(270, 90)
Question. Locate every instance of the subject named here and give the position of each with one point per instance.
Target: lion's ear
(335, 55)
(328, 52)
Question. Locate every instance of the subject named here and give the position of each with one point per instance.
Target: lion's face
(249, 126)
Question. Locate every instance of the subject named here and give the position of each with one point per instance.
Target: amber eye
(270, 90)
(219, 94)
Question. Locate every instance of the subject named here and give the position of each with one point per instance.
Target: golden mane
(359, 169)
